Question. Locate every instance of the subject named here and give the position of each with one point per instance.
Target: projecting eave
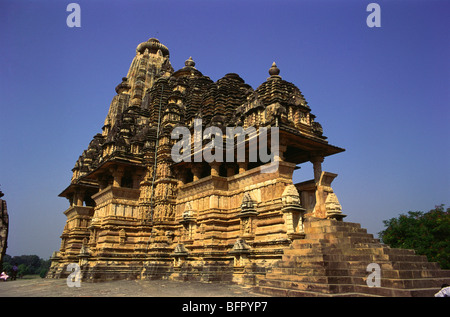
(81, 183)
(302, 147)
(105, 167)
(89, 180)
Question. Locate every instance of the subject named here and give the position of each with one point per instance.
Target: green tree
(7, 267)
(427, 233)
(23, 269)
(27, 264)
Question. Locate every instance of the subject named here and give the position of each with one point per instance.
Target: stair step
(395, 251)
(331, 285)
(332, 260)
(296, 293)
(358, 292)
(314, 279)
(368, 258)
(326, 288)
(396, 292)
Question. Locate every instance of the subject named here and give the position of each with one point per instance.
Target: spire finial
(274, 70)
(189, 62)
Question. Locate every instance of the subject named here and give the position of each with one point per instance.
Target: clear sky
(381, 93)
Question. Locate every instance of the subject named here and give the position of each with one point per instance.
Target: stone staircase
(332, 260)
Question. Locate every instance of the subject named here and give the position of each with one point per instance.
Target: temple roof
(275, 89)
(154, 94)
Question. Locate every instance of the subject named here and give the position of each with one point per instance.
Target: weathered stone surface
(137, 213)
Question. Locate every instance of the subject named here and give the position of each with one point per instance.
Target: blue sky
(381, 93)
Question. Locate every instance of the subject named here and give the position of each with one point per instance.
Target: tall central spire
(150, 63)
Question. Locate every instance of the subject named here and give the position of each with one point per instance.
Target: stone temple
(136, 213)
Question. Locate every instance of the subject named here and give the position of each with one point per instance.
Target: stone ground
(38, 287)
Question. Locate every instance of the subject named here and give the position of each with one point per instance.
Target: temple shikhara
(135, 213)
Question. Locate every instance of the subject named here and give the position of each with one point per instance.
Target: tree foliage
(427, 233)
(27, 265)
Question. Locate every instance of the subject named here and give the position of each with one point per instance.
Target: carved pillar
(137, 176)
(102, 182)
(327, 204)
(196, 171)
(181, 175)
(317, 166)
(79, 197)
(230, 170)
(117, 174)
(281, 150)
(215, 166)
(242, 167)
